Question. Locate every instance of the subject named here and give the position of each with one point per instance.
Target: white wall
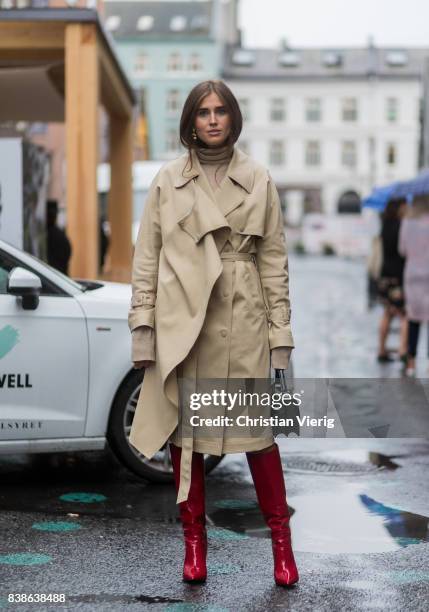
(332, 177)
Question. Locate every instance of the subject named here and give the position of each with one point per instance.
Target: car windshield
(72, 282)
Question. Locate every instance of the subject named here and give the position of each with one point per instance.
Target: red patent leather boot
(193, 517)
(267, 474)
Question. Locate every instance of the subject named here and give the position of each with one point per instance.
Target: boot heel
(267, 473)
(194, 567)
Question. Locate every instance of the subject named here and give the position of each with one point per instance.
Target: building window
(350, 110)
(172, 142)
(195, 63)
(349, 154)
(277, 109)
(38, 128)
(349, 203)
(112, 22)
(392, 110)
(277, 153)
(173, 101)
(391, 155)
(312, 153)
(145, 23)
(244, 104)
(178, 23)
(141, 64)
(313, 111)
(243, 57)
(174, 62)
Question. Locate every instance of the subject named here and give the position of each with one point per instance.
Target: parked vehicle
(66, 379)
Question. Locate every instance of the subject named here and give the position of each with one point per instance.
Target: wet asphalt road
(83, 526)
(360, 541)
(334, 331)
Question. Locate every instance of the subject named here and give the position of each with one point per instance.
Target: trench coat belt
(188, 386)
(233, 256)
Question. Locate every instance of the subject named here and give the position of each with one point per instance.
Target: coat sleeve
(272, 262)
(143, 344)
(280, 357)
(145, 263)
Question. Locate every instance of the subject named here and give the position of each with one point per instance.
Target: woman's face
(212, 121)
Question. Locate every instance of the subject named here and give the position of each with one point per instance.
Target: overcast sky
(334, 22)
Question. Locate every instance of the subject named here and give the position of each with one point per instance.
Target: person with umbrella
(390, 282)
(414, 246)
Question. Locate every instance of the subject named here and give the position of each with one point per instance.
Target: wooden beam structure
(32, 35)
(120, 197)
(93, 77)
(82, 99)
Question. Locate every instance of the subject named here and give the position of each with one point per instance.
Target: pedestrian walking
(414, 246)
(210, 300)
(59, 249)
(390, 284)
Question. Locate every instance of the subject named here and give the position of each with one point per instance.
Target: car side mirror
(25, 284)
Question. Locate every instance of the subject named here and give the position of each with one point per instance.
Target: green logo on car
(9, 337)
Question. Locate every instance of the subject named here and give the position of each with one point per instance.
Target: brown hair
(393, 207)
(420, 205)
(192, 104)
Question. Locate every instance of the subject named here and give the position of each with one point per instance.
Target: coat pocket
(257, 300)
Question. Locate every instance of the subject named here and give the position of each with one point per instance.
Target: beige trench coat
(210, 275)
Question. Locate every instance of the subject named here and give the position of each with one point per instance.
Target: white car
(67, 382)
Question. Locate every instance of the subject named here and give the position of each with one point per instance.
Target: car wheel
(156, 469)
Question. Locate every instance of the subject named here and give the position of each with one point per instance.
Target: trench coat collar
(239, 170)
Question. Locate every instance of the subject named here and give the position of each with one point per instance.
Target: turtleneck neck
(215, 155)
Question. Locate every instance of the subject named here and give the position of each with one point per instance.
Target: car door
(43, 362)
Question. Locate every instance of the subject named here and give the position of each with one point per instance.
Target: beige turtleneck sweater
(214, 162)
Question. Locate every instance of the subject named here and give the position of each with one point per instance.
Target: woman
(391, 279)
(210, 301)
(414, 246)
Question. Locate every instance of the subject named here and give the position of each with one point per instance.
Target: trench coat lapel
(238, 182)
(199, 214)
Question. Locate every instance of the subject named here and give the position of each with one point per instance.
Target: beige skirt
(226, 439)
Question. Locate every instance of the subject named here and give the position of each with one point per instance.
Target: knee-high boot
(267, 474)
(193, 517)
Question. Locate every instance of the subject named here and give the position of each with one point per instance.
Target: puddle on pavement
(343, 462)
(360, 456)
(340, 521)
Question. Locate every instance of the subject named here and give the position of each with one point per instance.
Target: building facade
(166, 48)
(330, 124)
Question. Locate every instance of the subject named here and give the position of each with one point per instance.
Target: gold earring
(194, 134)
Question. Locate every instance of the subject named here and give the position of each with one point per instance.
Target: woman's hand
(138, 365)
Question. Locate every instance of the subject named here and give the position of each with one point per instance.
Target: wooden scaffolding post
(81, 112)
(120, 198)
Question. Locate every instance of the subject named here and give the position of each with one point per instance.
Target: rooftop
(313, 63)
(175, 19)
